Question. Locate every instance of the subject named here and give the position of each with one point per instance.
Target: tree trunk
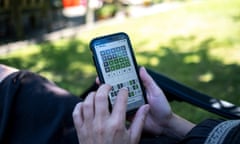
(47, 15)
(16, 18)
(89, 14)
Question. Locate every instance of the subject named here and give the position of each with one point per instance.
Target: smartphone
(116, 65)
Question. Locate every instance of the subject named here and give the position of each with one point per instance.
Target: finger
(148, 82)
(137, 124)
(98, 81)
(77, 116)
(120, 106)
(88, 107)
(101, 101)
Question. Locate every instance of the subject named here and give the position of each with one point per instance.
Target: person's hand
(160, 110)
(96, 125)
(160, 119)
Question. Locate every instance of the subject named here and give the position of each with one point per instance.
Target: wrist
(177, 126)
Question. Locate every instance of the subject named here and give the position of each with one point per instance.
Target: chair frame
(179, 92)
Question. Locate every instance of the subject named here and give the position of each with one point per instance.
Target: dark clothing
(34, 110)
(233, 137)
(199, 134)
(214, 132)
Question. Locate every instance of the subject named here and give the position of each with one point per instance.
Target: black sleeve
(35, 110)
(200, 132)
(214, 132)
(233, 136)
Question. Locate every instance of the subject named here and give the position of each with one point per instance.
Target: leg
(34, 110)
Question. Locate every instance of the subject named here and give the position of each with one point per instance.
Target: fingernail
(124, 88)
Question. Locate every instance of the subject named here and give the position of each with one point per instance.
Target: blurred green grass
(196, 44)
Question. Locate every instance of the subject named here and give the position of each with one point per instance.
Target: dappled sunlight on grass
(66, 62)
(197, 44)
(228, 55)
(154, 61)
(23, 53)
(207, 77)
(86, 69)
(196, 67)
(192, 59)
(51, 76)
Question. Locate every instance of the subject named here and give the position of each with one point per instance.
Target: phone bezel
(111, 38)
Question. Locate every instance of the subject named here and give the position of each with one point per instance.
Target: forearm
(178, 127)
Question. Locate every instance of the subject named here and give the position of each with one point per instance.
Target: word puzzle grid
(117, 64)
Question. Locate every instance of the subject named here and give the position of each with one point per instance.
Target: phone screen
(118, 68)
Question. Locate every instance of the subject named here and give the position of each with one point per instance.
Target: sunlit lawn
(197, 44)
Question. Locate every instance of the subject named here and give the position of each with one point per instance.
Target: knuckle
(86, 105)
(75, 114)
(99, 130)
(117, 126)
(102, 92)
(119, 129)
(100, 97)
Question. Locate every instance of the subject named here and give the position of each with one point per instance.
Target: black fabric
(199, 133)
(162, 139)
(34, 110)
(233, 136)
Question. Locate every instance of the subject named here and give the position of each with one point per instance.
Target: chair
(179, 92)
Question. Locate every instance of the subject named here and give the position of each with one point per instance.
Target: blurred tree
(21, 14)
(89, 13)
(16, 18)
(46, 12)
(92, 5)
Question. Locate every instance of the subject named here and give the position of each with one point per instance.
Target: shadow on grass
(190, 68)
(70, 66)
(236, 17)
(198, 70)
(66, 64)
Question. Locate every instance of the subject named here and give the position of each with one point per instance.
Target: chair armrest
(176, 91)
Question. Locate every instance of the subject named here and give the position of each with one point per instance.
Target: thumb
(137, 124)
(151, 87)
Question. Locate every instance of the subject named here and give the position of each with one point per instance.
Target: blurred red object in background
(72, 3)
